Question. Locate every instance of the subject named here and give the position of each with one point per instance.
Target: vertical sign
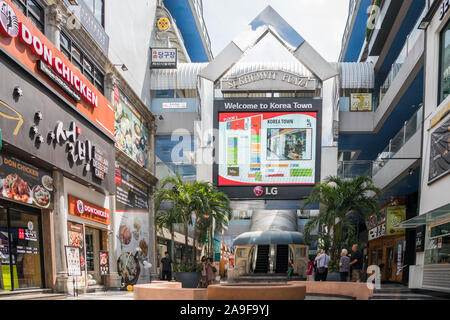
(104, 263)
(73, 261)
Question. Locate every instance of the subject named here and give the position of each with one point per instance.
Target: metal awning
(438, 215)
(269, 237)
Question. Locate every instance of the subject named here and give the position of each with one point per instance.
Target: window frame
(28, 12)
(67, 51)
(441, 62)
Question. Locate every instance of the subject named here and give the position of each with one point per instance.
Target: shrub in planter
(188, 275)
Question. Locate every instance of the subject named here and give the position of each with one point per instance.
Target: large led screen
(267, 148)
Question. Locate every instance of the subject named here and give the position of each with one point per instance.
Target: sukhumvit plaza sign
(268, 79)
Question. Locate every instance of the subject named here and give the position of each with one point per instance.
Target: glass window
(5, 272)
(444, 84)
(96, 7)
(437, 250)
(33, 10)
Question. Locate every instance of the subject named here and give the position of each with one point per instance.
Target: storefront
(387, 245)
(57, 136)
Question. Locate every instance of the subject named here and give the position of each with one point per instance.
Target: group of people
(208, 273)
(348, 264)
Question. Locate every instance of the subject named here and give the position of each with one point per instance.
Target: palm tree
(340, 200)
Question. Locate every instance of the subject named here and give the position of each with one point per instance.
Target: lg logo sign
(268, 191)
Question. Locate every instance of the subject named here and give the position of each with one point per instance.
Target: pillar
(60, 232)
(55, 19)
(113, 280)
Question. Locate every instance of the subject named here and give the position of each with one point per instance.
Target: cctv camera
(18, 91)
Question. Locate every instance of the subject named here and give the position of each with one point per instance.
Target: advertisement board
(22, 182)
(132, 223)
(264, 146)
(163, 58)
(361, 102)
(130, 129)
(439, 153)
(395, 215)
(104, 262)
(73, 261)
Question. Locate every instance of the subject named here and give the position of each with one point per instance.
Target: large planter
(334, 276)
(188, 279)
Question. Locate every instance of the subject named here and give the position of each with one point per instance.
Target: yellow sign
(395, 215)
(361, 102)
(163, 24)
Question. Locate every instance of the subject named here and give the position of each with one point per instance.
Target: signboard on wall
(163, 58)
(22, 182)
(361, 102)
(395, 215)
(268, 149)
(420, 238)
(86, 210)
(131, 130)
(104, 263)
(440, 153)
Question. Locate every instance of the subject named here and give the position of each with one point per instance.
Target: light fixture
(122, 66)
(73, 2)
(424, 25)
(411, 171)
(161, 117)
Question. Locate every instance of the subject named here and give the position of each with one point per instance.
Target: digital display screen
(267, 148)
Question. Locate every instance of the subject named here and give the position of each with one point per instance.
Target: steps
(262, 260)
(34, 294)
(266, 278)
(282, 259)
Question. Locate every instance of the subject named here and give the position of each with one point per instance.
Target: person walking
(210, 271)
(356, 263)
(290, 269)
(166, 267)
(203, 276)
(310, 270)
(344, 265)
(322, 264)
(316, 268)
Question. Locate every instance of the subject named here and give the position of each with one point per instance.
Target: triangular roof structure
(269, 21)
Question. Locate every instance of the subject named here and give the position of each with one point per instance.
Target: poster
(268, 148)
(395, 215)
(440, 152)
(132, 228)
(104, 263)
(22, 182)
(73, 261)
(75, 235)
(361, 102)
(130, 129)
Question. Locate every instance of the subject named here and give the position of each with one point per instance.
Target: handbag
(214, 269)
(322, 270)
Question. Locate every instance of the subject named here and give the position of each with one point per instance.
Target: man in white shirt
(322, 264)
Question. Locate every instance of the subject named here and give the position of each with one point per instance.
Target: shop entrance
(93, 247)
(20, 248)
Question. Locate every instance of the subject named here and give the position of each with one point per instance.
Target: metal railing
(404, 53)
(198, 4)
(353, 169)
(351, 12)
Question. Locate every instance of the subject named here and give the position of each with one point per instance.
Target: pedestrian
(290, 269)
(210, 271)
(166, 267)
(356, 263)
(344, 265)
(316, 268)
(203, 276)
(322, 264)
(310, 270)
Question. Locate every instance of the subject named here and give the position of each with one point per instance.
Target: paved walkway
(401, 292)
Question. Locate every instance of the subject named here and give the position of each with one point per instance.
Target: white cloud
(320, 22)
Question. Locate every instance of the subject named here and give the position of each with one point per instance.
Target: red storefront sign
(84, 209)
(20, 38)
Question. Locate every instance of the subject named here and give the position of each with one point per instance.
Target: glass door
(5, 272)
(93, 247)
(25, 235)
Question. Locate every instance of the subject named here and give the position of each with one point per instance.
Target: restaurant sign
(22, 182)
(163, 58)
(84, 209)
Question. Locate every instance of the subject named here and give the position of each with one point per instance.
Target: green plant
(182, 267)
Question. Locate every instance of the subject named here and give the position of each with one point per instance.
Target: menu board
(76, 239)
(104, 263)
(73, 261)
(130, 129)
(131, 193)
(22, 182)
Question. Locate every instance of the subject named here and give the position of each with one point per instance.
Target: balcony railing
(404, 53)
(353, 169)
(351, 12)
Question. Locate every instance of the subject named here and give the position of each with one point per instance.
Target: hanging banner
(361, 102)
(395, 215)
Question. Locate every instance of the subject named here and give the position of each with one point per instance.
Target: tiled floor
(401, 292)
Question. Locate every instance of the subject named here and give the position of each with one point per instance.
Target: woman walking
(203, 276)
(210, 271)
(310, 270)
(344, 265)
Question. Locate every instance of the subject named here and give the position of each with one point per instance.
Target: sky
(319, 22)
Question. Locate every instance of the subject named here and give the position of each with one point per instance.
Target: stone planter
(334, 276)
(188, 279)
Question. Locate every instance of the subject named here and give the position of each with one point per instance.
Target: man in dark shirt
(166, 267)
(356, 263)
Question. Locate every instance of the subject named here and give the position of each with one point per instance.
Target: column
(55, 20)
(113, 280)
(60, 225)
(152, 236)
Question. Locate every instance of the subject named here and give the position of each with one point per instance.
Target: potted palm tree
(340, 200)
(200, 202)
